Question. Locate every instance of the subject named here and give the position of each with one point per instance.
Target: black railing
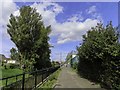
(28, 80)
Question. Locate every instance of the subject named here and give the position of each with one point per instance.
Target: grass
(11, 72)
(51, 81)
(74, 70)
(7, 73)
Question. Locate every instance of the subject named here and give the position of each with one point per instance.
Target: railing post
(23, 81)
(6, 81)
(16, 78)
(42, 77)
(35, 79)
(48, 72)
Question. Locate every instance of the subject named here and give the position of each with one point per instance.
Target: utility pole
(60, 56)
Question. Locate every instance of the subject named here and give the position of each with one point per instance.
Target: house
(2, 57)
(12, 62)
(74, 58)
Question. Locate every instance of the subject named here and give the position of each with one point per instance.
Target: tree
(14, 54)
(30, 36)
(100, 55)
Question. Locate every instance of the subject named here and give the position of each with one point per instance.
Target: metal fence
(28, 80)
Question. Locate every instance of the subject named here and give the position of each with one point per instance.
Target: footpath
(70, 79)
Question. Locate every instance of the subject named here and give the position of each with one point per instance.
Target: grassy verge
(7, 73)
(11, 72)
(74, 70)
(51, 81)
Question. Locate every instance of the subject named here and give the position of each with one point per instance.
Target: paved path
(69, 79)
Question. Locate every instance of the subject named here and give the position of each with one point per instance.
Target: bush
(99, 56)
(5, 66)
(75, 64)
(12, 66)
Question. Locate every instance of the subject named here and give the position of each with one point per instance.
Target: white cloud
(49, 11)
(93, 12)
(70, 30)
(6, 9)
(16, 13)
(64, 40)
(73, 31)
(76, 17)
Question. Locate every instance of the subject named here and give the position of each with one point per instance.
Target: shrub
(75, 64)
(12, 66)
(99, 56)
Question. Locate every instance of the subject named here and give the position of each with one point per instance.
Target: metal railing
(28, 80)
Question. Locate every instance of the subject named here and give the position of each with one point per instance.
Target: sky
(68, 20)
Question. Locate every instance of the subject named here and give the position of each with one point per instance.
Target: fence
(28, 80)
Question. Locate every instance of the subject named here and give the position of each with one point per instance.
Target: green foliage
(100, 55)
(13, 66)
(55, 63)
(51, 81)
(30, 36)
(75, 65)
(10, 72)
(14, 54)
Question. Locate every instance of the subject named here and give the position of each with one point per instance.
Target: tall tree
(30, 36)
(100, 55)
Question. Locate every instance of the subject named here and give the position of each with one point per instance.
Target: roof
(2, 57)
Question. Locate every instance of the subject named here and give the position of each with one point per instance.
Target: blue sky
(68, 20)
